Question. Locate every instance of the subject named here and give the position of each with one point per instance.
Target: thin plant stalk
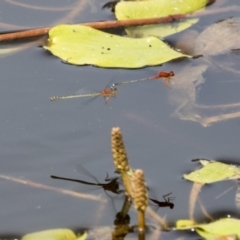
(141, 221)
(126, 206)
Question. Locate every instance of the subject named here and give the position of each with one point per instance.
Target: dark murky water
(40, 138)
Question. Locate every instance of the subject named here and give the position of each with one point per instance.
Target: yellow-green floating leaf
(184, 223)
(157, 8)
(54, 234)
(213, 171)
(222, 227)
(82, 45)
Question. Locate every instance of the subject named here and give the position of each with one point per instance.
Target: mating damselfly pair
(111, 92)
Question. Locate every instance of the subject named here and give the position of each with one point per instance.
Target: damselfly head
(171, 205)
(113, 87)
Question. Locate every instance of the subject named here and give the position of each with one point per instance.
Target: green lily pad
(82, 45)
(54, 234)
(157, 8)
(222, 227)
(213, 171)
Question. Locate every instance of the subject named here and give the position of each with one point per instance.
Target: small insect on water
(167, 201)
(111, 186)
(165, 75)
(107, 93)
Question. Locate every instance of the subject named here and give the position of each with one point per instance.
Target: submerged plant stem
(126, 206)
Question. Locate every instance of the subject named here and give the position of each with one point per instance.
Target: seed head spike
(140, 198)
(118, 150)
(140, 191)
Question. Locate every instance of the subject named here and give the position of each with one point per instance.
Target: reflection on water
(184, 96)
(214, 40)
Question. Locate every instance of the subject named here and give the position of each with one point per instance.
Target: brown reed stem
(120, 23)
(37, 32)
